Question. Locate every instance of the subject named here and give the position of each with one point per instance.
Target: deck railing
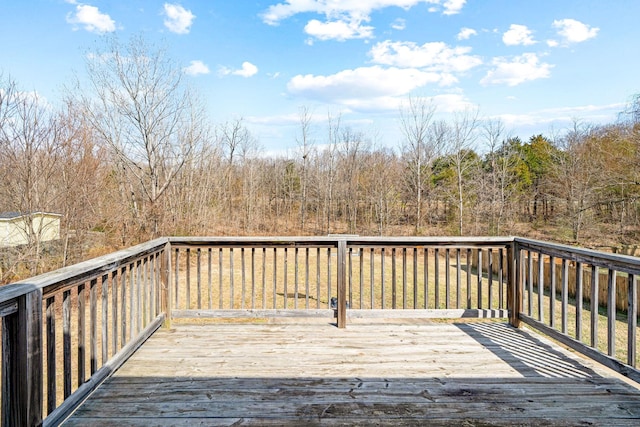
(253, 277)
(586, 299)
(66, 331)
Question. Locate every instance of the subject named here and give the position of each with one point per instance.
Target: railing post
(22, 387)
(165, 285)
(514, 276)
(342, 283)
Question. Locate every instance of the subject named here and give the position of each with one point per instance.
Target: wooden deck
(372, 373)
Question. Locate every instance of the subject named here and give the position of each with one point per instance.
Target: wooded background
(131, 154)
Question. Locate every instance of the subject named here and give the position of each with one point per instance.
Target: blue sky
(537, 65)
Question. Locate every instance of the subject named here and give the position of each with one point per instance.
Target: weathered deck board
(382, 374)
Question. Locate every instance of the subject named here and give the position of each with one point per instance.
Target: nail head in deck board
(387, 373)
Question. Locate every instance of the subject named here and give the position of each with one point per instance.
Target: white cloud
(247, 70)
(518, 35)
(196, 68)
(520, 69)
(348, 13)
(178, 19)
(361, 84)
(573, 31)
(91, 19)
(452, 7)
(435, 56)
(338, 30)
(563, 116)
(552, 43)
(399, 24)
(466, 33)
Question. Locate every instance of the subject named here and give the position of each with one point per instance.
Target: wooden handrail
(590, 280)
(116, 301)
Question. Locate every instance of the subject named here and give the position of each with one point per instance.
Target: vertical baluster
(82, 331)
(371, 279)
(540, 287)
(632, 319)
(275, 274)
(415, 278)
(328, 277)
(404, 278)
(147, 287)
(66, 342)
(51, 354)
(123, 307)
(361, 252)
(210, 278)
(436, 272)
(286, 274)
(447, 277)
(176, 278)
(565, 296)
(490, 274)
(425, 268)
(594, 305)
(114, 311)
(469, 258)
(529, 284)
(383, 278)
(188, 306)
(611, 313)
(156, 285)
(220, 282)
(242, 269)
(393, 278)
(350, 282)
(264, 278)
(552, 297)
(501, 278)
(579, 297)
(253, 278)
(458, 279)
(317, 277)
(199, 277)
(306, 278)
(480, 305)
(93, 325)
(231, 275)
(104, 285)
(148, 282)
(295, 278)
(139, 295)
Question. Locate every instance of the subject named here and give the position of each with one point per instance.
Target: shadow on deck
(428, 373)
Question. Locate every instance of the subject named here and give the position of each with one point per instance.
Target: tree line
(130, 154)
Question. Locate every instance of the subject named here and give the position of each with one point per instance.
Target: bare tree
(237, 145)
(498, 170)
(144, 112)
(353, 145)
(579, 175)
(305, 147)
(460, 147)
(382, 174)
(328, 170)
(29, 155)
(418, 149)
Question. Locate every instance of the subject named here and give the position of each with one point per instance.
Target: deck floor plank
(483, 373)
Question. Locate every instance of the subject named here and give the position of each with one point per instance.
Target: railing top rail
(430, 241)
(252, 241)
(91, 268)
(623, 263)
(350, 239)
